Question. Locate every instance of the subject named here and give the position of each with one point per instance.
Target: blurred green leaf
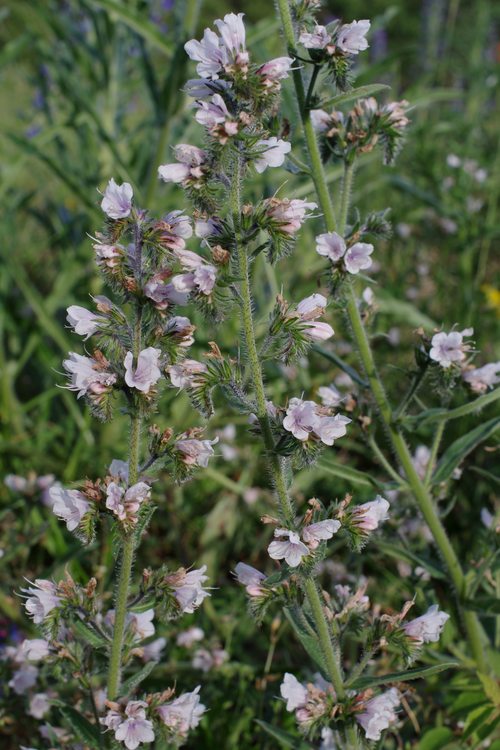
(135, 21)
(436, 739)
(461, 448)
(405, 676)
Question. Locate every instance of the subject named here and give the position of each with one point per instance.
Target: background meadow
(92, 90)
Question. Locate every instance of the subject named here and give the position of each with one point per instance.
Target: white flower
(213, 112)
(318, 39)
(39, 705)
(41, 600)
(272, 153)
(152, 651)
(188, 588)
(183, 713)
(68, 505)
(293, 692)
(318, 532)
(35, 649)
(119, 469)
(207, 53)
(447, 348)
(117, 200)
(292, 550)
(184, 374)
(357, 257)
(329, 395)
(369, 515)
(420, 460)
(196, 452)
(379, 713)
(331, 245)
(232, 31)
(288, 215)
(190, 160)
(142, 624)
(204, 278)
(351, 37)
(146, 372)
(276, 69)
(87, 375)
(482, 378)
(83, 322)
(136, 728)
(427, 628)
(125, 504)
(23, 679)
(332, 428)
(312, 307)
(301, 418)
(189, 637)
(250, 577)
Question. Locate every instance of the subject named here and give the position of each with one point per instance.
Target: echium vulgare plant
(133, 340)
(237, 103)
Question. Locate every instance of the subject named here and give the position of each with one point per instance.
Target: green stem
(470, 619)
(346, 196)
(434, 451)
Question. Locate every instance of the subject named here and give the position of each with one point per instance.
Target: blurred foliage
(91, 89)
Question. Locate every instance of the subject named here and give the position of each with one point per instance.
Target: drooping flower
(214, 115)
(117, 200)
(35, 649)
(331, 245)
(315, 533)
(173, 230)
(308, 310)
(319, 38)
(271, 152)
(83, 321)
(135, 729)
(293, 692)
(142, 624)
(292, 550)
(88, 375)
(68, 505)
(357, 257)
(379, 713)
(184, 374)
(146, 371)
(152, 651)
(448, 348)
(250, 577)
(183, 713)
(189, 167)
(41, 599)
(351, 37)
(330, 395)
(188, 588)
(108, 256)
(287, 215)
(332, 428)
(196, 452)
(369, 515)
(481, 378)
(428, 627)
(274, 71)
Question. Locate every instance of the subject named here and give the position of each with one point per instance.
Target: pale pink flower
(318, 532)
(271, 153)
(206, 660)
(188, 168)
(142, 624)
(117, 200)
(174, 229)
(396, 112)
(330, 396)
(351, 37)
(448, 348)
(119, 469)
(181, 327)
(39, 705)
(301, 418)
(184, 374)
(482, 378)
(189, 261)
(319, 38)
(369, 515)
(249, 577)
(292, 550)
(379, 713)
(204, 278)
(196, 452)
(125, 504)
(293, 692)
(289, 215)
(420, 460)
(107, 255)
(153, 651)
(357, 257)
(332, 428)
(183, 713)
(189, 637)
(135, 729)
(83, 322)
(207, 53)
(188, 589)
(276, 69)
(213, 112)
(146, 371)
(312, 307)
(232, 31)
(331, 245)
(427, 628)
(41, 599)
(35, 649)
(318, 331)
(23, 679)
(68, 505)
(87, 375)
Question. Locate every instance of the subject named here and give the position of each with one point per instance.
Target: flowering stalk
(422, 496)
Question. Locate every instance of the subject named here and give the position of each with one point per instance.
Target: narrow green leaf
(461, 448)
(332, 357)
(488, 605)
(404, 311)
(135, 680)
(353, 94)
(347, 473)
(411, 674)
(436, 739)
(284, 738)
(404, 553)
(137, 23)
(88, 733)
(306, 636)
(438, 415)
(475, 720)
(89, 635)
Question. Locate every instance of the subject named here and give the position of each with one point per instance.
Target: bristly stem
(275, 464)
(128, 548)
(422, 496)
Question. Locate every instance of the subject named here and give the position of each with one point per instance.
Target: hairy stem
(423, 498)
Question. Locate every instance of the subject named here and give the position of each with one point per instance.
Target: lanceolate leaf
(88, 733)
(134, 680)
(284, 738)
(306, 636)
(411, 674)
(436, 739)
(458, 450)
(353, 94)
(137, 23)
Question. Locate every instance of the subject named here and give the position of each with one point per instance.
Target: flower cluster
(289, 547)
(350, 259)
(306, 420)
